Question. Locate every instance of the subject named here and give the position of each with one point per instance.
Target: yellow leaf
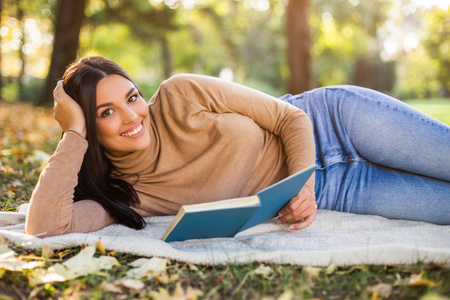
(263, 271)
(47, 252)
(434, 297)
(130, 283)
(146, 268)
(287, 295)
(416, 280)
(331, 269)
(12, 189)
(110, 287)
(381, 289)
(100, 247)
(312, 272)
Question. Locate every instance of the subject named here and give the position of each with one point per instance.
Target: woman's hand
(68, 112)
(302, 209)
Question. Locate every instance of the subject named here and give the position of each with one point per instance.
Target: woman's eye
(132, 99)
(106, 112)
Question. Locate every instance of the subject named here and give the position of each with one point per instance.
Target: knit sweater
(209, 140)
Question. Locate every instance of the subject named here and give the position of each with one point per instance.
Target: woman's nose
(129, 116)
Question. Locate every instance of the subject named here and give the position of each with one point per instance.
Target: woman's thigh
(358, 123)
(368, 188)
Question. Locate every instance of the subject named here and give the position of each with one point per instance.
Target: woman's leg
(364, 142)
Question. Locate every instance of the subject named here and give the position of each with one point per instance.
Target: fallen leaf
(287, 295)
(263, 271)
(110, 287)
(81, 264)
(47, 252)
(312, 272)
(100, 247)
(381, 289)
(178, 294)
(9, 261)
(130, 283)
(12, 189)
(331, 269)
(416, 280)
(146, 268)
(434, 297)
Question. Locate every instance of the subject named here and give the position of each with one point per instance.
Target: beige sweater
(210, 140)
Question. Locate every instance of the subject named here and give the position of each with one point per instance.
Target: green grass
(19, 171)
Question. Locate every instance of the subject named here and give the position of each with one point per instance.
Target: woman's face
(122, 116)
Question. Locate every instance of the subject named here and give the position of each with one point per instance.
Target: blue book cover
(228, 217)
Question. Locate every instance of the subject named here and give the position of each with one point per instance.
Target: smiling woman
(122, 116)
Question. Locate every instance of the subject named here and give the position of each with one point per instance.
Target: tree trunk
(301, 76)
(166, 56)
(1, 78)
(20, 17)
(69, 16)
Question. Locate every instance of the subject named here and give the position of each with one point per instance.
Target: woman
(201, 139)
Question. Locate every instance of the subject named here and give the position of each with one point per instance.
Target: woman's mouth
(133, 132)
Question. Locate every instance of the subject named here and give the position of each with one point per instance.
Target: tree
(1, 80)
(301, 76)
(437, 44)
(69, 17)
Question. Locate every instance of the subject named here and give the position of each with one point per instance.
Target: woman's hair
(95, 180)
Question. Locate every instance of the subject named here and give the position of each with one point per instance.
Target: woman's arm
(291, 124)
(52, 210)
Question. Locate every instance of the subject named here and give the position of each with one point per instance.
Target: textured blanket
(334, 238)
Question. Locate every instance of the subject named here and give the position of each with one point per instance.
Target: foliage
(153, 39)
(437, 44)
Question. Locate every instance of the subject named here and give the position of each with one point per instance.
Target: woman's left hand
(302, 209)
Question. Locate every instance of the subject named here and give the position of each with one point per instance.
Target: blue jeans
(377, 155)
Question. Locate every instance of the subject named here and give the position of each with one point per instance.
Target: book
(226, 218)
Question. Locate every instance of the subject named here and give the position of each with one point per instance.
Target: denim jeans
(377, 155)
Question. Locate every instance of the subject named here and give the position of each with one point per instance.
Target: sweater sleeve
(52, 210)
(290, 123)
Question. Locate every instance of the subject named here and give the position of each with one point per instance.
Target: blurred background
(400, 47)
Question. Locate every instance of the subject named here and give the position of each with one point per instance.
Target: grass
(20, 166)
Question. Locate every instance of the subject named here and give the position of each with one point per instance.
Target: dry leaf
(146, 268)
(263, 271)
(47, 252)
(130, 283)
(331, 269)
(434, 297)
(416, 280)
(100, 247)
(9, 261)
(381, 289)
(312, 272)
(287, 295)
(179, 294)
(110, 287)
(81, 264)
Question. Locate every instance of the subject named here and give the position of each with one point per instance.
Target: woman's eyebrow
(129, 92)
(110, 103)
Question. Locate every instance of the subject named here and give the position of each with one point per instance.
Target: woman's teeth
(134, 132)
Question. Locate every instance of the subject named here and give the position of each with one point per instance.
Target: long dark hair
(95, 180)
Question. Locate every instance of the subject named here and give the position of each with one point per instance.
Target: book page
(223, 204)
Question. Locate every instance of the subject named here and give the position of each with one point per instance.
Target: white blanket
(334, 238)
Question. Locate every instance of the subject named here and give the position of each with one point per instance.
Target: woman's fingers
(305, 223)
(302, 208)
(67, 111)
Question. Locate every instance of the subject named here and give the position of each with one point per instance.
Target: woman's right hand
(68, 112)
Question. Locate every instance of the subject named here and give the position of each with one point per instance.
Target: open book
(226, 218)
